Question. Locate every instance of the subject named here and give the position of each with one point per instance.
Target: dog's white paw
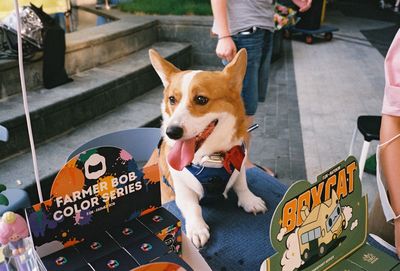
(198, 232)
(251, 203)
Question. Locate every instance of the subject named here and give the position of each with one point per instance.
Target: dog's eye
(172, 100)
(201, 100)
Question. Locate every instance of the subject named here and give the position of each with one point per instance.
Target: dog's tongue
(182, 153)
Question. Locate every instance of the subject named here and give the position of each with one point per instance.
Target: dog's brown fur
(223, 88)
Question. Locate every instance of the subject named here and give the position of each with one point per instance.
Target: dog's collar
(234, 157)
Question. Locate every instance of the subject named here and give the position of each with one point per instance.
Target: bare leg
(390, 160)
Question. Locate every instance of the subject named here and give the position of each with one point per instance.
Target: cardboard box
(369, 258)
(347, 265)
(166, 227)
(94, 248)
(118, 260)
(129, 232)
(66, 259)
(147, 249)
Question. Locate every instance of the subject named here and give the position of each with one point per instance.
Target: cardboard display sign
(97, 190)
(104, 213)
(315, 226)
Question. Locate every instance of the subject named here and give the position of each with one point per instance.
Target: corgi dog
(204, 128)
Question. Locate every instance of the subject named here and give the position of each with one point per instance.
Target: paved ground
(315, 95)
(278, 142)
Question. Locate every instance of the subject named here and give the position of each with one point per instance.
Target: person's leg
(382, 4)
(263, 77)
(253, 43)
(255, 46)
(378, 224)
(265, 66)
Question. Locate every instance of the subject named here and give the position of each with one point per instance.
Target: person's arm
(306, 6)
(303, 5)
(390, 161)
(226, 48)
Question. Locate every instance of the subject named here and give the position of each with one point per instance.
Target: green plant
(3, 198)
(164, 7)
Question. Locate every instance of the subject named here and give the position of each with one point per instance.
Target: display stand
(104, 210)
(323, 226)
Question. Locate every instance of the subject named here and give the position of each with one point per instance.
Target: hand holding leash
(307, 6)
(252, 127)
(303, 5)
(226, 48)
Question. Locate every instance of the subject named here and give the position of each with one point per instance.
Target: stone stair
(91, 94)
(121, 94)
(143, 111)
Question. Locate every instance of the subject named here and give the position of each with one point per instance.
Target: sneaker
(382, 4)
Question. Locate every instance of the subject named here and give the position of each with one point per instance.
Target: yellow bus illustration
(320, 226)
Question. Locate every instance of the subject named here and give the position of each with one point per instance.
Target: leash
(253, 127)
(25, 100)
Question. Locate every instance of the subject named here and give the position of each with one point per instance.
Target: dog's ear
(163, 68)
(236, 69)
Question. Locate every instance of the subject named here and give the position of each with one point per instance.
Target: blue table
(239, 241)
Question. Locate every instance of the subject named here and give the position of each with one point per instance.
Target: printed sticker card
(317, 225)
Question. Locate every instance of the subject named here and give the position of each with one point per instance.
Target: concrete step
(85, 49)
(92, 93)
(143, 111)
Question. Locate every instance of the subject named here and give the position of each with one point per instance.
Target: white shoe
(382, 4)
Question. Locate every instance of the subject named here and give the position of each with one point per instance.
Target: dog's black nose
(174, 132)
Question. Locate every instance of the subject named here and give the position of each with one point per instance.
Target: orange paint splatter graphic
(152, 173)
(46, 204)
(72, 242)
(72, 163)
(148, 210)
(163, 266)
(68, 180)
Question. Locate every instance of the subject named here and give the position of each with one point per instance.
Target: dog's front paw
(198, 232)
(252, 203)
